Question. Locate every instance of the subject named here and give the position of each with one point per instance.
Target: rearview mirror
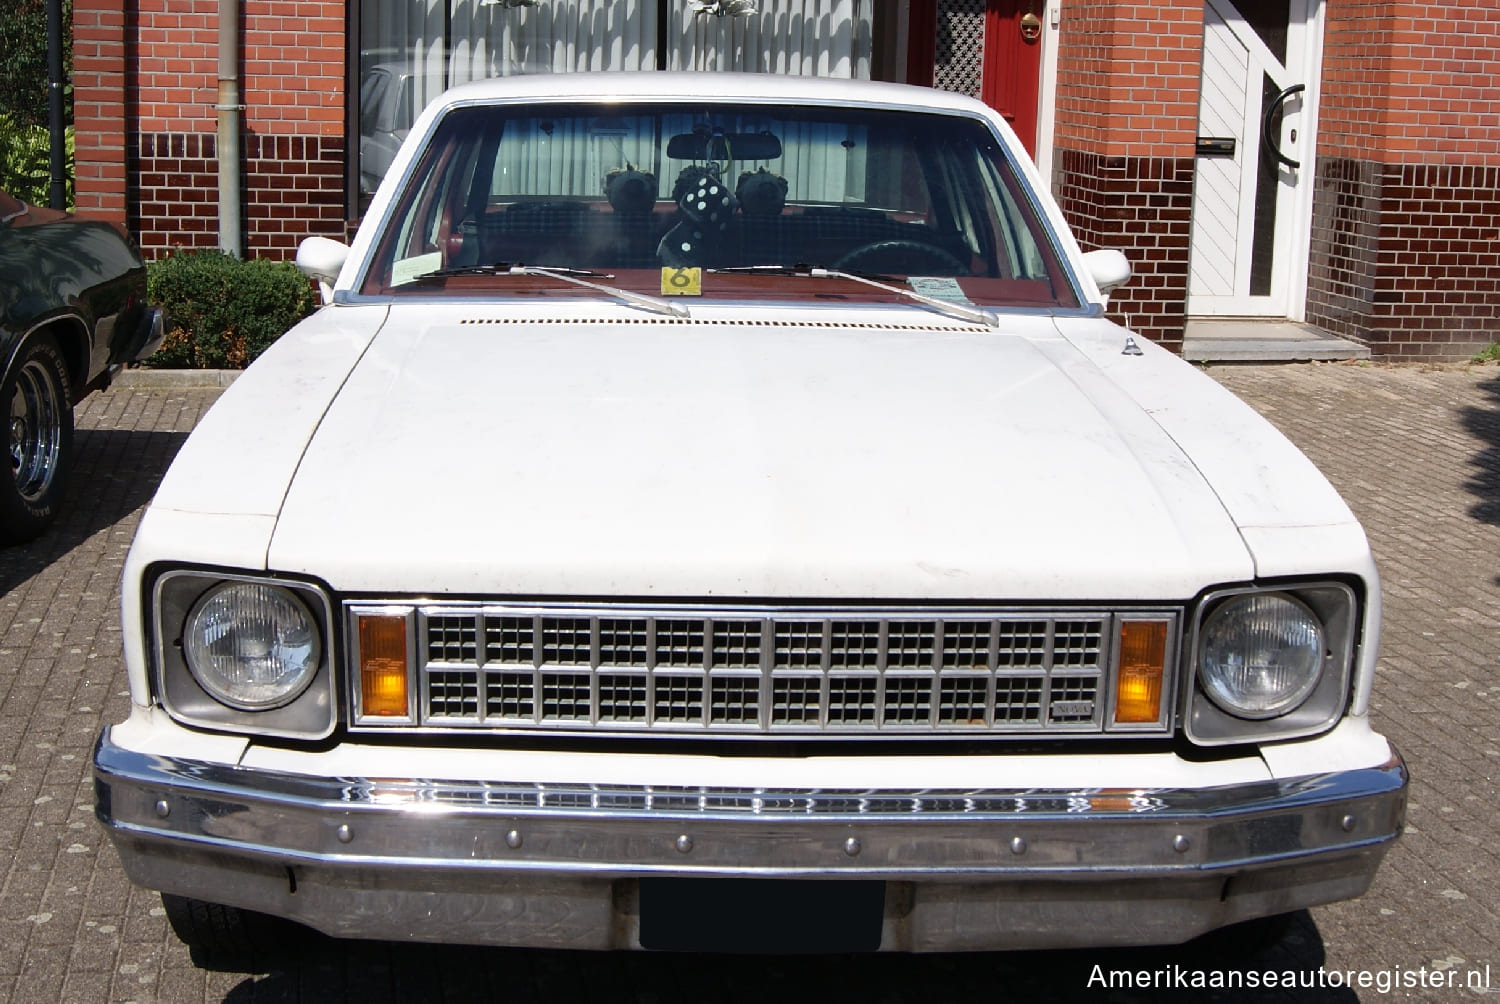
(724, 146)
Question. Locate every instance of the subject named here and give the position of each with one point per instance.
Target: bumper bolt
(1181, 843)
(1018, 845)
(852, 847)
(344, 833)
(684, 843)
(163, 810)
(1347, 823)
(513, 839)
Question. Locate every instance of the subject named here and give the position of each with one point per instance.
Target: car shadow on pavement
(328, 970)
(115, 473)
(1484, 484)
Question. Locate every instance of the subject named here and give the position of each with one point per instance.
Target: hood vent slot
(613, 322)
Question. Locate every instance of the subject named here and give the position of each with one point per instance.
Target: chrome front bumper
(560, 866)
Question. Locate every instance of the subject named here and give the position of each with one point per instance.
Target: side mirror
(1109, 268)
(322, 258)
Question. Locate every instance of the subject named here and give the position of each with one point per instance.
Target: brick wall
(1407, 201)
(293, 187)
(150, 99)
(99, 108)
(1126, 122)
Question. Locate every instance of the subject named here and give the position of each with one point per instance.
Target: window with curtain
(412, 50)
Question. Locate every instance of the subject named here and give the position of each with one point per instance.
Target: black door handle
(1272, 142)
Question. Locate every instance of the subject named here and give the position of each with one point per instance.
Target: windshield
(657, 194)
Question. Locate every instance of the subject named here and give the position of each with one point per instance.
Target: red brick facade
(157, 71)
(1404, 250)
(1406, 176)
(1127, 117)
(100, 112)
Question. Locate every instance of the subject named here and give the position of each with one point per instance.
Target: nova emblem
(1072, 709)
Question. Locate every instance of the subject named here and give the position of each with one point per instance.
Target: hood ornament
(1131, 348)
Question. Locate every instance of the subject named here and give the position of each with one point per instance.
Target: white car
(714, 512)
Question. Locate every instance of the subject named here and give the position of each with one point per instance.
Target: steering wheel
(899, 257)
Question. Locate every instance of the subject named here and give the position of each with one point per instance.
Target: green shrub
(222, 312)
(26, 161)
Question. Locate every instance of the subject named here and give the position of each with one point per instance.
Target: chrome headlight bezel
(1211, 721)
(309, 712)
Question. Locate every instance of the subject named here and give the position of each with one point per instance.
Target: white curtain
(823, 38)
(496, 38)
(554, 36)
(569, 157)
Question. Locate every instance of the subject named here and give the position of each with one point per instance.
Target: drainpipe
(57, 196)
(229, 108)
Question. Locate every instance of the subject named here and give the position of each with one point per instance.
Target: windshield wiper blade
(883, 282)
(656, 304)
(507, 268)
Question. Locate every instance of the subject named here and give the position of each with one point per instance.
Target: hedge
(223, 312)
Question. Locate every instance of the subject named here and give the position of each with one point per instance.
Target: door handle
(1272, 142)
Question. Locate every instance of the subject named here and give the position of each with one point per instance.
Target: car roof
(710, 87)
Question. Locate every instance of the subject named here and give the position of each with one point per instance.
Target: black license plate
(761, 916)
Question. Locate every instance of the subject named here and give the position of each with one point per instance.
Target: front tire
(1243, 943)
(224, 936)
(39, 439)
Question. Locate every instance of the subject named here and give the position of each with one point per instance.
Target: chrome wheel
(36, 429)
(38, 438)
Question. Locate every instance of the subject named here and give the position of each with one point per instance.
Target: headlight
(251, 653)
(251, 645)
(1261, 655)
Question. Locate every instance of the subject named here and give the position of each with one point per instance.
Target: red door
(1013, 64)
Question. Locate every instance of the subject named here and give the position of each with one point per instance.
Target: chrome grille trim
(522, 797)
(785, 671)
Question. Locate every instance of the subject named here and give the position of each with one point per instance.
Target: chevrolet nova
(705, 521)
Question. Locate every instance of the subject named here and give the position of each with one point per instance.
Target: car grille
(780, 671)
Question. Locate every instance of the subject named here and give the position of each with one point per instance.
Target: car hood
(472, 452)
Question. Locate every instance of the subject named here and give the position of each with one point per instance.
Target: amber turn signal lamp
(382, 666)
(1143, 657)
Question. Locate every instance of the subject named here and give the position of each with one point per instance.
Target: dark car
(72, 311)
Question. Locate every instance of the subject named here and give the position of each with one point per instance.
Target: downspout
(57, 195)
(229, 108)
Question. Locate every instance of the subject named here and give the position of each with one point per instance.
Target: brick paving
(1416, 451)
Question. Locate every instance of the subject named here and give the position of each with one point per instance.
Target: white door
(1254, 166)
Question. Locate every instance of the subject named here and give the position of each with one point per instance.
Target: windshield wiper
(656, 304)
(509, 268)
(883, 282)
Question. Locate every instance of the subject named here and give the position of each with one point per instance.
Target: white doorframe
(1224, 290)
(1301, 249)
(1046, 117)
